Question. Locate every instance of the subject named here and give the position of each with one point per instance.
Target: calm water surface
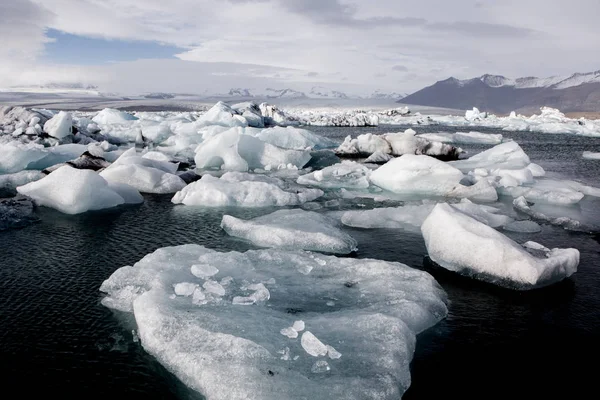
(56, 339)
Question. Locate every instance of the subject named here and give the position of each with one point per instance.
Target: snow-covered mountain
(323, 92)
(497, 93)
(379, 94)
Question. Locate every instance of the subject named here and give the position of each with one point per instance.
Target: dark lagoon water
(56, 339)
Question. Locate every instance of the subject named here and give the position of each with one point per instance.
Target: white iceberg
(143, 173)
(227, 349)
(235, 151)
(110, 116)
(293, 138)
(292, 230)
(214, 192)
(60, 125)
(459, 243)
(73, 191)
(589, 155)
(507, 155)
(347, 174)
(463, 137)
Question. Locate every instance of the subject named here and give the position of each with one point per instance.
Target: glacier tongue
(360, 348)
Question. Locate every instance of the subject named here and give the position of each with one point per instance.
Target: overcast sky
(358, 46)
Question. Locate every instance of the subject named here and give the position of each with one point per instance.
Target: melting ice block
(73, 191)
(347, 174)
(462, 244)
(214, 192)
(227, 349)
(235, 151)
(143, 173)
(292, 230)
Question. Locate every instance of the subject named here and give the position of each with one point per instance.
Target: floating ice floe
(551, 191)
(292, 230)
(411, 217)
(463, 137)
(347, 174)
(589, 155)
(225, 341)
(395, 144)
(224, 192)
(292, 138)
(73, 191)
(144, 173)
(15, 156)
(110, 116)
(459, 243)
(507, 155)
(235, 151)
(418, 176)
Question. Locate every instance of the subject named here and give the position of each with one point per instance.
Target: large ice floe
(292, 230)
(144, 173)
(275, 324)
(411, 216)
(233, 150)
(243, 190)
(73, 191)
(417, 176)
(395, 144)
(463, 137)
(460, 243)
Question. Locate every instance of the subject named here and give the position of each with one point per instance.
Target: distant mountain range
(316, 92)
(496, 93)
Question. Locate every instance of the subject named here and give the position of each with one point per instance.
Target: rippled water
(56, 336)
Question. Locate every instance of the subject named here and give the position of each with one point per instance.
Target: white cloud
(304, 42)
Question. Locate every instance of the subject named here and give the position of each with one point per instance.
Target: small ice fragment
(184, 288)
(296, 357)
(173, 296)
(320, 367)
(135, 336)
(298, 326)
(289, 332)
(330, 303)
(285, 354)
(226, 281)
(198, 297)
(204, 271)
(214, 287)
(333, 353)
(312, 345)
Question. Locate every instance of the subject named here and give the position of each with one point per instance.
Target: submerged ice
(220, 346)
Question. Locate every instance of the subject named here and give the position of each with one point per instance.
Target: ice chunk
(213, 192)
(145, 174)
(462, 244)
(520, 204)
(204, 271)
(235, 151)
(291, 229)
(463, 137)
(312, 345)
(294, 138)
(222, 114)
(60, 125)
(589, 155)
(15, 156)
(110, 116)
(417, 175)
(550, 192)
(298, 326)
(225, 351)
(214, 287)
(320, 367)
(289, 332)
(348, 174)
(73, 191)
(185, 288)
(475, 115)
(507, 155)
(379, 157)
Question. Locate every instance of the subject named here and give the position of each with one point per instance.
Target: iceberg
(463, 137)
(59, 126)
(214, 192)
(293, 138)
(74, 191)
(143, 173)
(412, 175)
(15, 156)
(507, 155)
(110, 116)
(551, 191)
(459, 243)
(292, 230)
(347, 174)
(225, 339)
(589, 155)
(233, 150)
(395, 144)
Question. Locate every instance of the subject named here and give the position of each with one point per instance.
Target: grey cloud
(481, 29)
(400, 68)
(312, 74)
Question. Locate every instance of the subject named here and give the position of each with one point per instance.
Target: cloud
(400, 68)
